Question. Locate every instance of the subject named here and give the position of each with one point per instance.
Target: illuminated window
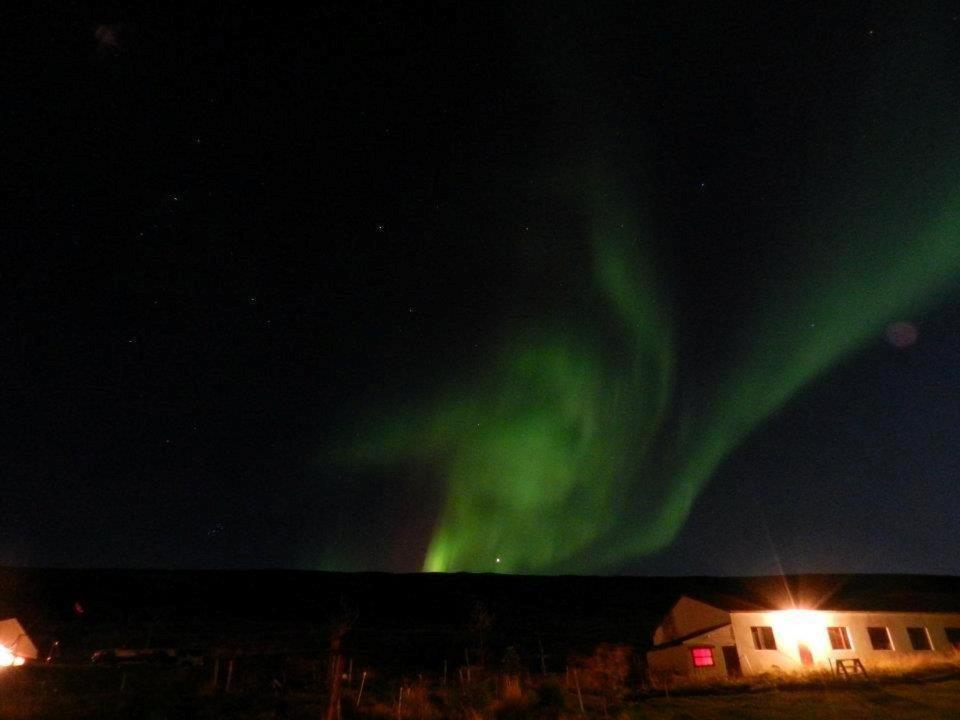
(702, 656)
(919, 639)
(953, 637)
(763, 638)
(839, 638)
(879, 638)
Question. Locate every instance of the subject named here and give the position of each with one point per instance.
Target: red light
(702, 656)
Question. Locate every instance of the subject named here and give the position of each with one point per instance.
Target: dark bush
(550, 699)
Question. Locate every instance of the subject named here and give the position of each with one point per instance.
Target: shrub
(605, 673)
(550, 699)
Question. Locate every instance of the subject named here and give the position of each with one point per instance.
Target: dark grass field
(167, 693)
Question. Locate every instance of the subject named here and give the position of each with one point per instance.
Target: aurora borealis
(536, 288)
(581, 448)
(560, 434)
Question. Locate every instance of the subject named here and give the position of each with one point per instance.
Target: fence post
(576, 678)
(363, 679)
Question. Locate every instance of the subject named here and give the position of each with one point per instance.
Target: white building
(705, 638)
(16, 647)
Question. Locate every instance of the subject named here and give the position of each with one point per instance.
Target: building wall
(790, 628)
(14, 638)
(686, 617)
(669, 663)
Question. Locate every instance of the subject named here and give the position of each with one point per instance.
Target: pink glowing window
(702, 656)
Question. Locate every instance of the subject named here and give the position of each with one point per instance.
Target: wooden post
(229, 675)
(576, 678)
(543, 662)
(216, 673)
(444, 673)
(340, 628)
(350, 673)
(400, 703)
(333, 705)
(363, 679)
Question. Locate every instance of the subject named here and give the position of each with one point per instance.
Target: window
(953, 637)
(839, 638)
(763, 638)
(702, 656)
(919, 639)
(879, 638)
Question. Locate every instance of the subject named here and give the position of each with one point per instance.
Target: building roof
(689, 636)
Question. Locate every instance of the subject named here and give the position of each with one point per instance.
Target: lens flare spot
(902, 334)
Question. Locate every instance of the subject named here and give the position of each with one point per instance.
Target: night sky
(595, 288)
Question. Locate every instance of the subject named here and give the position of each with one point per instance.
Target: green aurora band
(570, 453)
(576, 448)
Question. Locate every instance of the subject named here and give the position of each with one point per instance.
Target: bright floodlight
(803, 627)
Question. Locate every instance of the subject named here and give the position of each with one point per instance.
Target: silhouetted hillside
(411, 621)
